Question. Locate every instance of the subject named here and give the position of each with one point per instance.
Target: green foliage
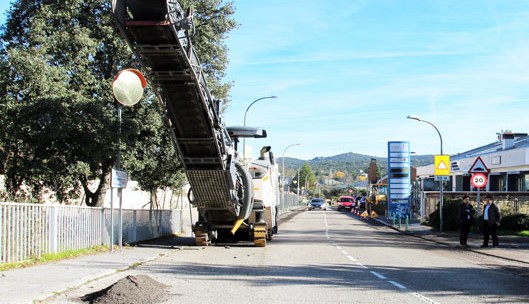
(515, 222)
(213, 23)
(307, 177)
(59, 119)
(58, 70)
(450, 215)
(51, 257)
(523, 233)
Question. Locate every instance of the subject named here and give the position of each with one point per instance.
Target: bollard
(400, 221)
(393, 217)
(407, 223)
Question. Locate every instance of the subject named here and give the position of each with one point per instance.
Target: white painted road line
(378, 275)
(397, 285)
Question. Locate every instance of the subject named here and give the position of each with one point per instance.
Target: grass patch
(512, 232)
(51, 257)
(523, 233)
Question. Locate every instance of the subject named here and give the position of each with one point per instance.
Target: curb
(448, 243)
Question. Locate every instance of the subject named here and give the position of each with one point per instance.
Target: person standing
(491, 221)
(465, 217)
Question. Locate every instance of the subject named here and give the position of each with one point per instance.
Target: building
(507, 159)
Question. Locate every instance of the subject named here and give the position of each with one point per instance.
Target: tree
(58, 60)
(307, 177)
(339, 175)
(213, 22)
(59, 67)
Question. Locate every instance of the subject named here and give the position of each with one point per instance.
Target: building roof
(506, 141)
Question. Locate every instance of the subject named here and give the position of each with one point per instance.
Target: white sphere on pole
(128, 87)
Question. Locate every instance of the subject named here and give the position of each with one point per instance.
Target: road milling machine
(237, 200)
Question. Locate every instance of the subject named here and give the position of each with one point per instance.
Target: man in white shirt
(491, 221)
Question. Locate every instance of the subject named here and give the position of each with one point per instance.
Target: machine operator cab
(236, 133)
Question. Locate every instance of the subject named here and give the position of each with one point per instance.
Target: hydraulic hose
(247, 181)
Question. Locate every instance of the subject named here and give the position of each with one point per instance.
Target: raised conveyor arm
(158, 33)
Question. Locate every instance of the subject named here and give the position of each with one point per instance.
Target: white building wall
(502, 161)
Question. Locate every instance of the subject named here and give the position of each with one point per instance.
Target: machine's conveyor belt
(157, 32)
(175, 69)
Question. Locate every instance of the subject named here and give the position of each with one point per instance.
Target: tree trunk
(93, 199)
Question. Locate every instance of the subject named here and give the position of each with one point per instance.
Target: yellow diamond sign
(442, 165)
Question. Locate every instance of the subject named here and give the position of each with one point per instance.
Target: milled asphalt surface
(36, 283)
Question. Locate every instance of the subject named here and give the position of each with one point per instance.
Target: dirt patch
(131, 290)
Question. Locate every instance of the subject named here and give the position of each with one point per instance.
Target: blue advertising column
(399, 179)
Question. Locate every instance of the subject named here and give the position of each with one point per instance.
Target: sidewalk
(514, 248)
(36, 283)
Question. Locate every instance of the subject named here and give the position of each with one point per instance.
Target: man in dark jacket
(491, 221)
(465, 217)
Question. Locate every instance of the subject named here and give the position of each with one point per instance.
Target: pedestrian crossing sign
(442, 165)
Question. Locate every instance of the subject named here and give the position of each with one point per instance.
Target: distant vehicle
(378, 194)
(317, 203)
(345, 202)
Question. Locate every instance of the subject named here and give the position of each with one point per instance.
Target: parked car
(345, 202)
(317, 203)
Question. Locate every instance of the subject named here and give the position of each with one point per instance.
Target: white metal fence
(289, 201)
(30, 230)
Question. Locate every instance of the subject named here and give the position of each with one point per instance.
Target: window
(525, 186)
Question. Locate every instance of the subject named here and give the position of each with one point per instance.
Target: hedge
(513, 222)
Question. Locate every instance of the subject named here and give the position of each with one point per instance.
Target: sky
(347, 74)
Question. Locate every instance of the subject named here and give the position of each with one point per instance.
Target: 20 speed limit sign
(478, 180)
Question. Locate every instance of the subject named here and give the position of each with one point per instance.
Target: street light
(441, 183)
(431, 124)
(283, 174)
(246, 112)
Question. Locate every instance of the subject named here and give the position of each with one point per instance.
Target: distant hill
(347, 162)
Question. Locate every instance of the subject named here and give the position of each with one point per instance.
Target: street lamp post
(283, 174)
(246, 112)
(298, 184)
(441, 182)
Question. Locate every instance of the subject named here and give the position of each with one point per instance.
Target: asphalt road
(327, 257)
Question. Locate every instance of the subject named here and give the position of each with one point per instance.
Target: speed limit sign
(478, 180)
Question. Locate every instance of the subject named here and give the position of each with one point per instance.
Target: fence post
(133, 228)
(1, 233)
(53, 229)
(102, 225)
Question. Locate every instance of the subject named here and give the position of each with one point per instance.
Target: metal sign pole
(478, 200)
(120, 239)
(441, 183)
(111, 219)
